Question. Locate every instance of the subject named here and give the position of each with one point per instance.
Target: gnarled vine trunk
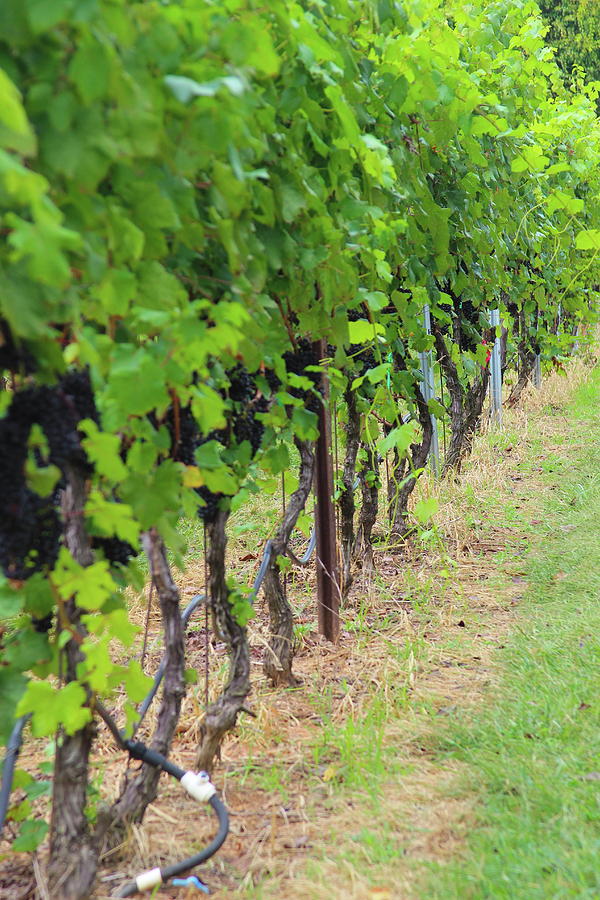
(73, 851)
(407, 470)
(369, 486)
(141, 790)
(346, 501)
(466, 403)
(526, 354)
(221, 716)
(279, 655)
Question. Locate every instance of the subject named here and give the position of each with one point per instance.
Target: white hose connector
(199, 786)
(148, 879)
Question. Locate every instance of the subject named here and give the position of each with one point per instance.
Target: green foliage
(241, 608)
(53, 707)
(190, 186)
(574, 29)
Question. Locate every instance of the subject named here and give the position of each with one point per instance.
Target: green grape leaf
(112, 518)
(425, 509)
(42, 480)
(91, 586)
(15, 131)
(137, 683)
(376, 300)
(305, 424)
(11, 600)
(90, 69)
(221, 481)
(208, 455)
(43, 15)
(12, 687)
(31, 834)
(588, 239)
(53, 707)
(436, 409)
(103, 450)
(399, 438)
(362, 331)
(26, 649)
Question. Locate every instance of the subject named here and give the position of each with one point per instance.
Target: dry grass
(418, 640)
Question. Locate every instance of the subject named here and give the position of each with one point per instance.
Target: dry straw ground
(334, 789)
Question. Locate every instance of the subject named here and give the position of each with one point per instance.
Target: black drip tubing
(10, 761)
(192, 861)
(139, 751)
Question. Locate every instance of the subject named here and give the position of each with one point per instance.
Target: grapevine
(194, 196)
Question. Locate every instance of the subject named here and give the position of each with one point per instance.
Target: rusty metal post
(328, 591)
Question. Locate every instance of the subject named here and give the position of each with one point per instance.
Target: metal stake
(328, 590)
(496, 370)
(537, 372)
(428, 390)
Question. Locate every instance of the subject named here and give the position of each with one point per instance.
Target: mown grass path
(533, 754)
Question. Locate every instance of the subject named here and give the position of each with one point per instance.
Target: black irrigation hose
(216, 843)
(10, 761)
(191, 862)
(311, 547)
(138, 750)
(260, 575)
(197, 785)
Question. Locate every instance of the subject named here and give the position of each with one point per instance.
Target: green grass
(534, 753)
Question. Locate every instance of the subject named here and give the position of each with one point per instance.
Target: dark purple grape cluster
(273, 380)
(246, 427)
(114, 549)
(185, 440)
(242, 387)
(296, 362)
(75, 390)
(30, 527)
(29, 535)
(185, 437)
(469, 326)
(59, 421)
(208, 511)
(365, 360)
(13, 356)
(242, 425)
(42, 625)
